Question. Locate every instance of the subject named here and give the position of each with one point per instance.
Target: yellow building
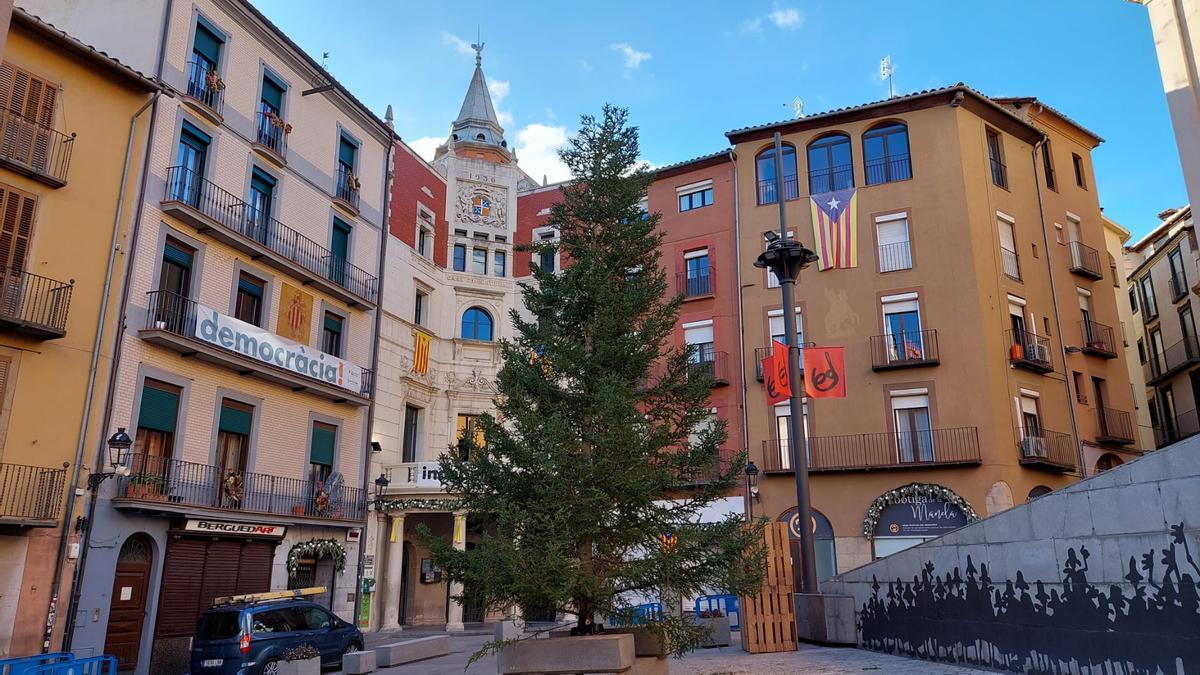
(72, 139)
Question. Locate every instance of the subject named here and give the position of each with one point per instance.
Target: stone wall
(1097, 577)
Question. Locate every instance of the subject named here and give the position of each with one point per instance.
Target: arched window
(885, 153)
(476, 325)
(764, 166)
(1038, 491)
(829, 164)
(1108, 461)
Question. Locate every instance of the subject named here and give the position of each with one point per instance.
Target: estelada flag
(834, 221)
(825, 372)
(775, 374)
(421, 353)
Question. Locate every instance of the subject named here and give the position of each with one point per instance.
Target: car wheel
(354, 646)
(271, 667)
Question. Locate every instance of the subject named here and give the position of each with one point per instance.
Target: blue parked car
(248, 637)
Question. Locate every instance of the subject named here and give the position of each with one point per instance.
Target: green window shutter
(158, 410)
(323, 440)
(247, 286)
(207, 44)
(333, 324)
(235, 421)
(272, 92)
(177, 255)
(346, 152)
(262, 181)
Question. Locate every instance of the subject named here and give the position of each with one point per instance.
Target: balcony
(761, 353)
(768, 190)
(888, 169)
(1085, 261)
(1029, 351)
(205, 90)
(163, 484)
(1178, 286)
(1114, 427)
(270, 137)
(34, 150)
(1046, 450)
(221, 215)
(999, 173)
(31, 496)
(707, 362)
(708, 473)
(889, 450)
(1097, 339)
(346, 189)
(1177, 429)
(1161, 366)
(34, 305)
(908, 349)
(180, 324)
(894, 257)
(693, 285)
(1011, 263)
(830, 179)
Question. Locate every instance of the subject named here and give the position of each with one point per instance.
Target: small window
(500, 263)
(175, 276)
(1080, 390)
(476, 325)
(460, 258)
(479, 258)
(1048, 166)
(470, 435)
(698, 275)
(547, 258)
(1149, 303)
(995, 150)
(695, 199)
(1077, 162)
(412, 425)
(1046, 325)
(157, 416)
(891, 235)
(1133, 303)
(321, 448)
(1141, 347)
(914, 433)
(233, 436)
(331, 334)
(272, 129)
(419, 308)
(425, 238)
(248, 306)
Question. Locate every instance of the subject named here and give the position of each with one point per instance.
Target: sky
(689, 72)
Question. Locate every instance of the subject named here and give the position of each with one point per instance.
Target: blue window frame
(460, 258)
(764, 167)
(476, 325)
(695, 200)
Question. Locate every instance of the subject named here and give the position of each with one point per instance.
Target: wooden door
(127, 610)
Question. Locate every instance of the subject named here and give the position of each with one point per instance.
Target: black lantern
(381, 484)
(751, 482)
(118, 448)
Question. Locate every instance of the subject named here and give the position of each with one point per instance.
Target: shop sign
(919, 516)
(222, 527)
(428, 474)
(354, 534)
(821, 527)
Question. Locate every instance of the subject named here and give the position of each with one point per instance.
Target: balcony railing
(708, 473)
(711, 363)
(888, 169)
(271, 133)
(1114, 427)
(696, 284)
(888, 450)
(1176, 429)
(347, 187)
(34, 305)
(999, 172)
(830, 179)
(893, 257)
(907, 349)
(34, 150)
(1011, 263)
(30, 495)
(252, 226)
(1046, 449)
(1029, 351)
(1097, 339)
(1178, 286)
(205, 86)
(761, 353)
(767, 190)
(161, 480)
(1085, 261)
(1160, 366)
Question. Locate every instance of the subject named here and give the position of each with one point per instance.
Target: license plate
(211, 663)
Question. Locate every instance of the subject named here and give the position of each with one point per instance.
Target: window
(419, 308)
(476, 325)
(270, 114)
(16, 231)
(772, 280)
(1178, 276)
(470, 435)
(479, 258)
(1077, 162)
(1009, 260)
(891, 234)
(347, 171)
(903, 338)
(698, 279)
(248, 304)
(1141, 347)
(1187, 326)
(783, 419)
(547, 257)
(262, 193)
(695, 199)
(206, 56)
(996, 159)
(320, 451)
(425, 235)
(500, 263)
(1048, 166)
(233, 437)
(914, 435)
(779, 331)
(698, 337)
(175, 277)
(1080, 391)
(187, 180)
(460, 258)
(885, 153)
(339, 246)
(764, 166)
(331, 334)
(829, 165)
(157, 416)
(1085, 310)
(412, 420)
(1031, 424)
(1149, 304)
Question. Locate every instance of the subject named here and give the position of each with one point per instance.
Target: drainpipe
(135, 229)
(737, 246)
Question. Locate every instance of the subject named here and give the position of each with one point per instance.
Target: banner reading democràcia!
(255, 343)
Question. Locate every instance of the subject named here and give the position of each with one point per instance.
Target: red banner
(825, 372)
(775, 374)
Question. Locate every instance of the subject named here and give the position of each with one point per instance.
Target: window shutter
(247, 286)
(30, 97)
(158, 410)
(16, 227)
(272, 93)
(177, 255)
(235, 419)
(5, 364)
(321, 449)
(346, 152)
(207, 44)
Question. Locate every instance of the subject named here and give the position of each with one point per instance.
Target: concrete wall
(1176, 26)
(1061, 584)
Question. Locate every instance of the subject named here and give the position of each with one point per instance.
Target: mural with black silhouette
(1149, 625)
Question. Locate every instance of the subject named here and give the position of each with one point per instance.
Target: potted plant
(301, 660)
(146, 486)
(1017, 352)
(213, 81)
(717, 625)
(233, 487)
(298, 510)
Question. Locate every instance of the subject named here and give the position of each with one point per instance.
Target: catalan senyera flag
(421, 353)
(834, 219)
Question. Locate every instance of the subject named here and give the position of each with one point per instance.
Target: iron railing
(33, 303)
(767, 190)
(1052, 449)
(1085, 261)
(888, 169)
(761, 353)
(1177, 428)
(31, 492)
(893, 257)
(696, 284)
(1115, 426)
(1030, 351)
(711, 363)
(271, 132)
(177, 314)
(35, 149)
(904, 349)
(153, 478)
(999, 173)
(1011, 263)
(205, 85)
(709, 472)
(189, 187)
(1160, 365)
(1097, 339)
(347, 187)
(830, 179)
(887, 450)
(1178, 286)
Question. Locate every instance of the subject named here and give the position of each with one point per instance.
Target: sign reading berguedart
(222, 527)
(253, 342)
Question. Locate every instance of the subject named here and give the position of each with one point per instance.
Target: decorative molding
(482, 204)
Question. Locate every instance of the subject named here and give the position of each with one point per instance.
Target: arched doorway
(127, 609)
(1108, 461)
(823, 544)
(909, 515)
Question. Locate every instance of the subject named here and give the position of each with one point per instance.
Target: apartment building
(72, 135)
(982, 367)
(244, 366)
(1115, 238)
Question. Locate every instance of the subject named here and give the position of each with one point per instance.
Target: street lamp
(118, 450)
(381, 484)
(751, 481)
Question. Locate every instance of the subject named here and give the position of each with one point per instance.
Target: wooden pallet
(768, 621)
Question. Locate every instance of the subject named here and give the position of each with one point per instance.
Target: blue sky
(690, 72)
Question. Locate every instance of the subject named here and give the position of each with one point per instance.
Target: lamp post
(785, 257)
(381, 484)
(118, 450)
(751, 481)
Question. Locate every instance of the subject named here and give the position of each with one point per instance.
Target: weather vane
(478, 47)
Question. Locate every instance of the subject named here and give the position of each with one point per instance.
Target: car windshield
(218, 626)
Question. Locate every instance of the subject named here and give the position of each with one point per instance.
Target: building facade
(1115, 238)
(981, 363)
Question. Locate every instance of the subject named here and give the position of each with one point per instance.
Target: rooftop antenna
(478, 47)
(886, 68)
(328, 86)
(798, 107)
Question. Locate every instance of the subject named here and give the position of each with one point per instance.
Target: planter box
(589, 654)
(306, 667)
(297, 510)
(719, 632)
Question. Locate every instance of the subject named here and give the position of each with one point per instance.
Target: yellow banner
(295, 314)
(421, 353)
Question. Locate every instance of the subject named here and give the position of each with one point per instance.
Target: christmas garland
(234, 486)
(316, 549)
(913, 490)
(419, 505)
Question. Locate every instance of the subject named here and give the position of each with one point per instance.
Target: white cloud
(460, 45)
(633, 58)
(426, 146)
(786, 18)
(549, 113)
(751, 26)
(537, 151)
(499, 91)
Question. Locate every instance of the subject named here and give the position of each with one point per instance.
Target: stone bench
(358, 663)
(408, 651)
(591, 654)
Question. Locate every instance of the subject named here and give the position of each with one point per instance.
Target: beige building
(1115, 238)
